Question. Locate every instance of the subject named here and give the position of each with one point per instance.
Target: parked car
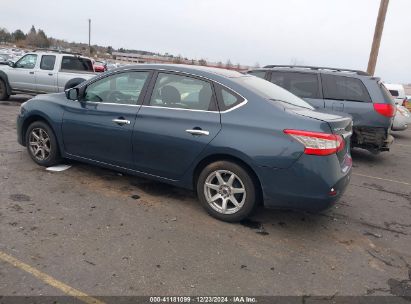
(231, 137)
(398, 93)
(408, 102)
(4, 58)
(44, 72)
(113, 65)
(402, 119)
(362, 96)
(99, 66)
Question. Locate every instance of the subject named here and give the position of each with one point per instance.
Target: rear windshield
(76, 64)
(271, 91)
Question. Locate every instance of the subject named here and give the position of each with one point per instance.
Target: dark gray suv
(362, 96)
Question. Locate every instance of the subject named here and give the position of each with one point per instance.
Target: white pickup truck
(44, 72)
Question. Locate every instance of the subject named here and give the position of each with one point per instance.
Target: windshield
(271, 91)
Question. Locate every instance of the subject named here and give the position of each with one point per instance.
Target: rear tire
(227, 191)
(42, 144)
(3, 91)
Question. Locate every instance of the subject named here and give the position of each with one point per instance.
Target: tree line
(38, 39)
(35, 38)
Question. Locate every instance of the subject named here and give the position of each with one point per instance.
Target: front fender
(40, 108)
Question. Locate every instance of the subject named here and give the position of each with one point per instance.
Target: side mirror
(11, 63)
(72, 93)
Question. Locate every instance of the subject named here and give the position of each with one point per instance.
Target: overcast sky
(335, 33)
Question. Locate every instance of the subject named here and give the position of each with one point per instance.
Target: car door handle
(50, 74)
(31, 72)
(197, 132)
(121, 121)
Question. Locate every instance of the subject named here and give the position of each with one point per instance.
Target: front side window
(74, 63)
(47, 62)
(304, 85)
(184, 92)
(344, 88)
(27, 62)
(122, 88)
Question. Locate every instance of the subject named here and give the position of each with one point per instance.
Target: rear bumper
(375, 139)
(313, 183)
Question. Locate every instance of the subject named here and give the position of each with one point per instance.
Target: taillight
(317, 143)
(385, 109)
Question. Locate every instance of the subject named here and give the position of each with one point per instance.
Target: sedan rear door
(177, 121)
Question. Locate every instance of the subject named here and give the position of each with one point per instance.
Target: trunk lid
(340, 124)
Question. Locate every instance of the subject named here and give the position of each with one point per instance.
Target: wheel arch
(33, 118)
(227, 157)
(5, 79)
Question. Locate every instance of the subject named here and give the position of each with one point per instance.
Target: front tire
(227, 191)
(3, 91)
(42, 144)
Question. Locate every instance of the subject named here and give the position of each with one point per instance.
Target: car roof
(185, 68)
(317, 70)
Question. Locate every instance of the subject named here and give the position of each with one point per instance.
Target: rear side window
(304, 85)
(47, 62)
(260, 74)
(227, 99)
(76, 64)
(344, 88)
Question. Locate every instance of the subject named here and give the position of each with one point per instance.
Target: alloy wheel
(39, 144)
(224, 191)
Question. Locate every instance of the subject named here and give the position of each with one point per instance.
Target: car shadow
(364, 156)
(263, 221)
(401, 135)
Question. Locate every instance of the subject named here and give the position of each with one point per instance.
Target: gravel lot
(105, 233)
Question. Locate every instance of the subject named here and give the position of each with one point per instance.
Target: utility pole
(89, 34)
(379, 26)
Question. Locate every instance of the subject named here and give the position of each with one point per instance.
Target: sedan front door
(100, 126)
(178, 120)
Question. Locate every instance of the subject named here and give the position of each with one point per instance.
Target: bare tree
(202, 62)
(228, 64)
